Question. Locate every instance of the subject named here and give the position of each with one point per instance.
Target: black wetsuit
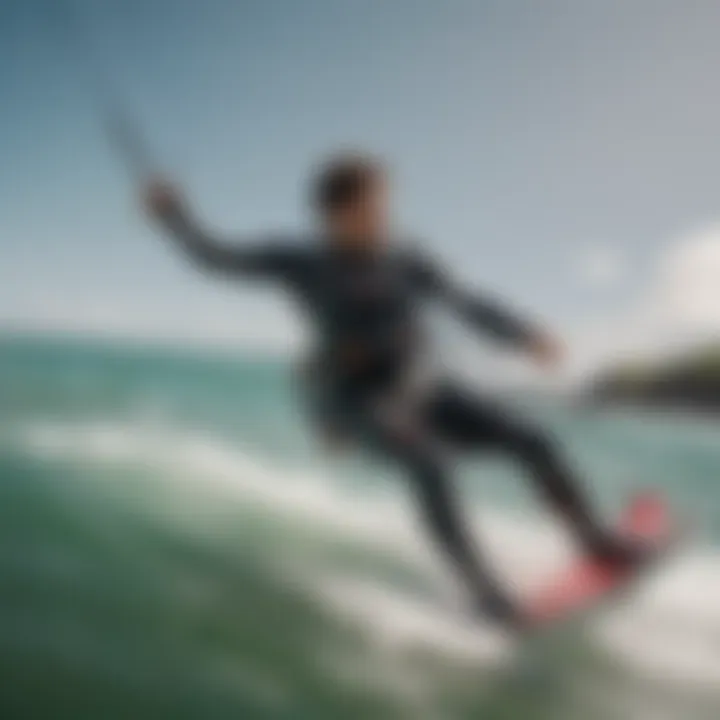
(365, 309)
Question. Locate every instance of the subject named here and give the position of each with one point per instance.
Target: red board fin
(587, 581)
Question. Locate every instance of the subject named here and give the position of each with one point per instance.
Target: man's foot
(618, 550)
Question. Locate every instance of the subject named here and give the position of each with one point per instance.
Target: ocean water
(173, 544)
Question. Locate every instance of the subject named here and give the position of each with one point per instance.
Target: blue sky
(554, 151)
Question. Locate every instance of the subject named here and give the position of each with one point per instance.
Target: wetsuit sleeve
(268, 257)
(482, 312)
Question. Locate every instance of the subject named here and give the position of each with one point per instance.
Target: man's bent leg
(469, 421)
(560, 486)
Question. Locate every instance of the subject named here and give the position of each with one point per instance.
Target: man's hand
(162, 199)
(547, 350)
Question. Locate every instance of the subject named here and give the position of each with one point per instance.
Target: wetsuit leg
(403, 439)
(463, 419)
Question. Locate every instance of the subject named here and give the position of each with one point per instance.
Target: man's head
(350, 198)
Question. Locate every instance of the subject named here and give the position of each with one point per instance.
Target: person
(368, 379)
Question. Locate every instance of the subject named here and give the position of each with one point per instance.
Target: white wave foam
(384, 522)
(398, 623)
(669, 629)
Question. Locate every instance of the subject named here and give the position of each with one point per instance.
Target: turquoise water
(174, 545)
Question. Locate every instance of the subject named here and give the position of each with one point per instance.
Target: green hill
(691, 381)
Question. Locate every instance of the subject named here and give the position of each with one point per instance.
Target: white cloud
(687, 292)
(680, 308)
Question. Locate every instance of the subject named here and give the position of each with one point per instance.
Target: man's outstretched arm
(168, 208)
(487, 315)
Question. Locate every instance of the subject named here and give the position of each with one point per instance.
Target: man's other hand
(547, 350)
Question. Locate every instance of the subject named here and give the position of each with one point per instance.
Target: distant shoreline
(680, 407)
(690, 384)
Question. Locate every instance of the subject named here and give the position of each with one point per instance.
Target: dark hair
(344, 179)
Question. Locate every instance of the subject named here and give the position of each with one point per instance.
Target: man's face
(365, 222)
